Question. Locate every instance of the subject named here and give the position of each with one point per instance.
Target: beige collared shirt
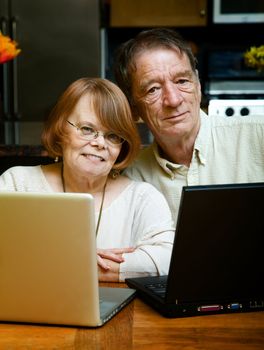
(227, 150)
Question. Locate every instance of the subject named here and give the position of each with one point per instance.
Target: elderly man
(157, 72)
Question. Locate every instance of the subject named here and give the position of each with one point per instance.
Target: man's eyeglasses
(88, 133)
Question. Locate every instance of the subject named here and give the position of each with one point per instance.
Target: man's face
(166, 93)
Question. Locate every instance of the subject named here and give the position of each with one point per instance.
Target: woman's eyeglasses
(88, 133)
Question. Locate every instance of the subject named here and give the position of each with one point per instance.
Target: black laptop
(217, 259)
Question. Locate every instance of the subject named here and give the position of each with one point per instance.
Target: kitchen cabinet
(149, 13)
(60, 42)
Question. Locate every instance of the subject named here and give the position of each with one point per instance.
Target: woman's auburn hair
(110, 106)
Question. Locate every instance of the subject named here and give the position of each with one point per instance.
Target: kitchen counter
(26, 150)
(22, 155)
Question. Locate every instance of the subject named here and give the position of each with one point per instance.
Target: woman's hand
(114, 254)
(109, 263)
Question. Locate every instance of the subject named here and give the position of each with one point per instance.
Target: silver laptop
(48, 263)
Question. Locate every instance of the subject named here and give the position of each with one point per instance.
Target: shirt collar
(169, 167)
(201, 142)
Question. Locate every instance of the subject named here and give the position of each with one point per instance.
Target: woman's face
(94, 157)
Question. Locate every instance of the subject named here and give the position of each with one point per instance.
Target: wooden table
(137, 326)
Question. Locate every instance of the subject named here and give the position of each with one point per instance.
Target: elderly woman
(92, 133)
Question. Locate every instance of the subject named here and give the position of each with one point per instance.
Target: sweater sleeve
(154, 231)
(24, 179)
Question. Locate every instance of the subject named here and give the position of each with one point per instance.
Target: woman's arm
(151, 233)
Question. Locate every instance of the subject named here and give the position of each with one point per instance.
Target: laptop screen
(219, 243)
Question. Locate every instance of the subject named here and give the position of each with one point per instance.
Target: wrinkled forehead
(159, 61)
(144, 51)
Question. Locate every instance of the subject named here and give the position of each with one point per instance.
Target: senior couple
(92, 132)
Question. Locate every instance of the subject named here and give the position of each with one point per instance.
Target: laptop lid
(48, 262)
(217, 258)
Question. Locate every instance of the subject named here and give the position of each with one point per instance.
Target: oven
(232, 89)
(236, 108)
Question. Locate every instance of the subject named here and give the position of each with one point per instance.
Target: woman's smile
(93, 157)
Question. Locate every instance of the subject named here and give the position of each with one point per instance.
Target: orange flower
(8, 48)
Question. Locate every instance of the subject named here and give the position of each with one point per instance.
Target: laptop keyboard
(158, 289)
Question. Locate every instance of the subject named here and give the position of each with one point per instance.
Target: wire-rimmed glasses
(88, 133)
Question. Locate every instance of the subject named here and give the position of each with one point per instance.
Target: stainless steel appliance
(240, 98)
(60, 42)
(236, 108)
(234, 11)
(232, 89)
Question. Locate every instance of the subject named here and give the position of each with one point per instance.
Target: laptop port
(234, 306)
(256, 304)
(210, 308)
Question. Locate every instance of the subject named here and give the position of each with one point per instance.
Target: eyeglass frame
(96, 134)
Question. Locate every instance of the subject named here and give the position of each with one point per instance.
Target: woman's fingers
(109, 255)
(122, 250)
(102, 263)
(114, 254)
